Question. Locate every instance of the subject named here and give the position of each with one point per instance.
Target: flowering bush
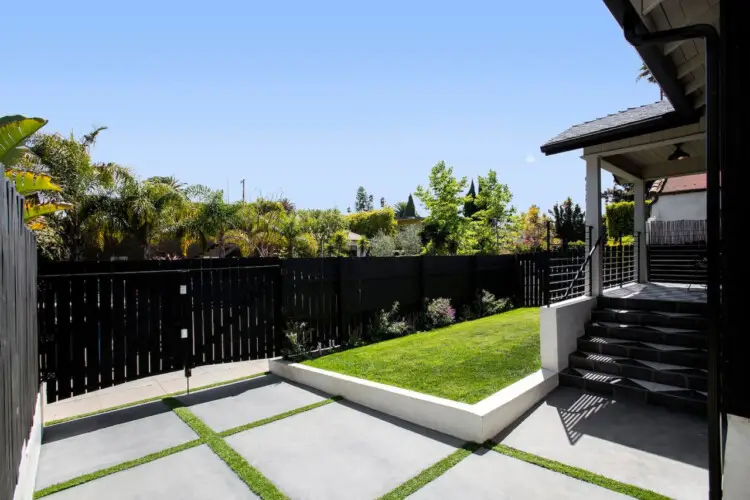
(298, 340)
(439, 313)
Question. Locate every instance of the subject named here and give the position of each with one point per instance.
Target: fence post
(589, 270)
(278, 309)
(622, 261)
(184, 325)
(340, 300)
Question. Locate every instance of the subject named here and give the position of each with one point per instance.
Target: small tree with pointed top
(410, 210)
(470, 206)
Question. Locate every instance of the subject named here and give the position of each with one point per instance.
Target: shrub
(298, 340)
(373, 222)
(387, 325)
(486, 304)
(382, 245)
(466, 314)
(439, 312)
(619, 218)
(409, 240)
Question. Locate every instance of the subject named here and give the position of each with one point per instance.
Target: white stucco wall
(683, 206)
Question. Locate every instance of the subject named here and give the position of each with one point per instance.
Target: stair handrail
(578, 273)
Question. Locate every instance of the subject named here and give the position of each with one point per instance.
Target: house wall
(683, 206)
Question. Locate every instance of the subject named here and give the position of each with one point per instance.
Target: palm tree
(91, 187)
(291, 230)
(257, 231)
(208, 217)
(148, 210)
(14, 132)
(645, 74)
(400, 209)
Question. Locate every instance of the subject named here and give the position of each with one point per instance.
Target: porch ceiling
(686, 57)
(652, 163)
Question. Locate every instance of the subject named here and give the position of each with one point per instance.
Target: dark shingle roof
(608, 124)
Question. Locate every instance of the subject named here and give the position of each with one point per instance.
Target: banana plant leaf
(14, 130)
(29, 182)
(32, 211)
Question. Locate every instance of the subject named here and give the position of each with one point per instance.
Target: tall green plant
(570, 222)
(444, 226)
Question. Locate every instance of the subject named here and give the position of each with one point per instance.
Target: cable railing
(574, 283)
(619, 265)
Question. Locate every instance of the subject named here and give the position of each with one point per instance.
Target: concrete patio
(345, 451)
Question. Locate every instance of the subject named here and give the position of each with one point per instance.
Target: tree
(382, 202)
(208, 218)
(256, 230)
(490, 227)
(399, 209)
(382, 245)
(410, 211)
(470, 206)
(338, 244)
(323, 224)
(533, 229)
(362, 202)
(291, 229)
(444, 225)
(92, 189)
(622, 191)
(409, 240)
(570, 222)
(371, 222)
(147, 211)
(645, 74)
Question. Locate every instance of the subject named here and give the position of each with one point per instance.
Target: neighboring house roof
(628, 123)
(354, 236)
(677, 185)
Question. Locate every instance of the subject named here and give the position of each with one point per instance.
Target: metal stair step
(652, 371)
(635, 390)
(648, 351)
(652, 305)
(644, 333)
(649, 318)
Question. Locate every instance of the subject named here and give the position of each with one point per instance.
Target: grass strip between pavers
(431, 473)
(115, 468)
(151, 400)
(257, 482)
(576, 473)
(264, 421)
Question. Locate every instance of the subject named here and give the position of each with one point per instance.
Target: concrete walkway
(336, 451)
(150, 387)
(646, 446)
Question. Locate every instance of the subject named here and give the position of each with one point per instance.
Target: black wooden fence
(19, 369)
(106, 323)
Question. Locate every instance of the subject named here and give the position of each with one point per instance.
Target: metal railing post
(589, 271)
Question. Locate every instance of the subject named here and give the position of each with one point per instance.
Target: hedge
(619, 218)
(372, 222)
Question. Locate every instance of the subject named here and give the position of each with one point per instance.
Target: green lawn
(465, 362)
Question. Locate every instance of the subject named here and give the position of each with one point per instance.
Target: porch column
(639, 226)
(593, 219)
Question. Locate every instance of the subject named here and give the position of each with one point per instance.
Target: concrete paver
(191, 474)
(82, 446)
(245, 402)
(340, 451)
(645, 446)
(490, 475)
(150, 387)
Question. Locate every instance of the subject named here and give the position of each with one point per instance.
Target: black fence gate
(102, 324)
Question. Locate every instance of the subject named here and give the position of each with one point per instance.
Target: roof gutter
(660, 66)
(641, 37)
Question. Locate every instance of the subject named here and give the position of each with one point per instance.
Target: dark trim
(659, 64)
(670, 120)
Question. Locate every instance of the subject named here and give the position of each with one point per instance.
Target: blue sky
(313, 99)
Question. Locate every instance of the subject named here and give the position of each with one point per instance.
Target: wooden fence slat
(119, 327)
(92, 333)
(131, 320)
(105, 310)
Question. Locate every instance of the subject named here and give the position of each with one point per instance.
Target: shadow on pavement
(102, 421)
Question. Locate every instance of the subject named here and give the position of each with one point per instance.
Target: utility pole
(243, 190)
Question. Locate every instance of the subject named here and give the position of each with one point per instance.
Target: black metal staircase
(644, 350)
